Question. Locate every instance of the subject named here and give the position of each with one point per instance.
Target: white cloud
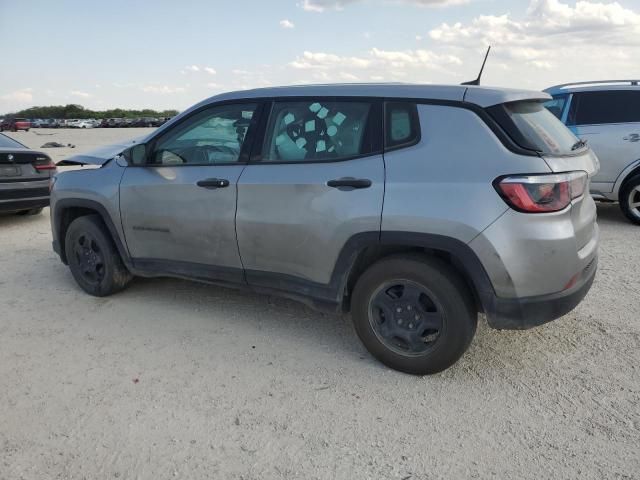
(322, 5)
(286, 23)
(321, 60)
(78, 93)
(162, 89)
(389, 64)
(584, 40)
(24, 95)
(210, 70)
(192, 68)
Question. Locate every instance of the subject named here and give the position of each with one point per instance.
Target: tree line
(79, 112)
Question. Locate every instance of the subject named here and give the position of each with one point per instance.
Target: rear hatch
(534, 128)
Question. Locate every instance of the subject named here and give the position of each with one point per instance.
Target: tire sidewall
(87, 225)
(459, 316)
(626, 189)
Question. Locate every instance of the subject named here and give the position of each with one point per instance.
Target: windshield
(6, 142)
(540, 129)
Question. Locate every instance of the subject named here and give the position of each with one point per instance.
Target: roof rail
(596, 82)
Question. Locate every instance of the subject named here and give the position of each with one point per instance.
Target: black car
(24, 178)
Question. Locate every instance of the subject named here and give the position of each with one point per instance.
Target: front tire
(630, 199)
(414, 313)
(93, 258)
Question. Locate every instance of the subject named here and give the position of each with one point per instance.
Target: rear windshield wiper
(579, 144)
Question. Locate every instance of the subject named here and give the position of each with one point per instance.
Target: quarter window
(613, 106)
(210, 137)
(556, 106)
(317, 130)
(402, 124)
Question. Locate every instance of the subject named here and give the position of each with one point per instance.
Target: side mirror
(137, 155)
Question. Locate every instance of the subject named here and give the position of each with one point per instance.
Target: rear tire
(427, 336)
(93, 258)
(630, 199)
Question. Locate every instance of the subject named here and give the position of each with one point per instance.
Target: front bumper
(529, 312)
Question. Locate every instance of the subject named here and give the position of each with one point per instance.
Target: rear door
(610, 122)
(178, 207)
(315, 181)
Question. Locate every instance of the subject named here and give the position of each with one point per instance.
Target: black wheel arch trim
(56, 222)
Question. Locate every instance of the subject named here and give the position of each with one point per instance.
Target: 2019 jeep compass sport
(413, 207)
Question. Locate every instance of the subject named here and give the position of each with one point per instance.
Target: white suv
(606, 114)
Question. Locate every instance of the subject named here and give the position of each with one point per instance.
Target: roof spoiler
(477, 80)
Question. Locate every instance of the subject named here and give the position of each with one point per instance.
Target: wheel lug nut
(399, 321)
(411, 325)
(417, 317)
(409, 307)
(398, 310)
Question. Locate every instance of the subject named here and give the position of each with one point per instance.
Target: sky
(171, 54)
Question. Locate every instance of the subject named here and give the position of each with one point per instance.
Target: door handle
(213, 183)
(349, 183)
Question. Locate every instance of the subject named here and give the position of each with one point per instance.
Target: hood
(100, 155)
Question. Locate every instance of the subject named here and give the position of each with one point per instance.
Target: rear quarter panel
(443, 185)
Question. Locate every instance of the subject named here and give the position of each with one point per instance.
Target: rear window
(613, 106)
(533, 127)
(6, 142)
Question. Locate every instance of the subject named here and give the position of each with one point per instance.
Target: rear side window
(401, 124)
(318, 130)
(533, 127)
(613, 106)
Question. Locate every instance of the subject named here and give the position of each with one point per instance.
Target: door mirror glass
(138, 154)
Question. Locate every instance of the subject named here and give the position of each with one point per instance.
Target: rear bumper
(529, 312)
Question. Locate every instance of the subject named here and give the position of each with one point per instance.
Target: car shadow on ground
(16, 219)
(610, 213)
(306, 328)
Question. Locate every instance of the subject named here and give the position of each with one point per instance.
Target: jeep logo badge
(10, 157)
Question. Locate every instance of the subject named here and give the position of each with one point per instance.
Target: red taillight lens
(541, 193)
(44, 163)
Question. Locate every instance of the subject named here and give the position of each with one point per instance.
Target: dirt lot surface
(171, 379)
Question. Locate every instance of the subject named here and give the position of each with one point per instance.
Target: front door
(178, 207)
(317, 181)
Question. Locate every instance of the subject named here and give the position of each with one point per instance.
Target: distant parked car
(606, 114)
(24, 178)
(84, 124)
(15, 124)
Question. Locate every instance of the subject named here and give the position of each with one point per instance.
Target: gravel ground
(171, 379)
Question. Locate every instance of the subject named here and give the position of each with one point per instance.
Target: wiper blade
(579, 144)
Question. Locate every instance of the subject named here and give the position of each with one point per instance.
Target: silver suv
(412, 207)
(606, 114)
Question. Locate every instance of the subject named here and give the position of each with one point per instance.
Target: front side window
(556, 105)
(316, 130)
(212, 136)
(599, 107)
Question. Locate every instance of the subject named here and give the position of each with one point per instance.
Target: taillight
(44, 163)
(541, 193)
